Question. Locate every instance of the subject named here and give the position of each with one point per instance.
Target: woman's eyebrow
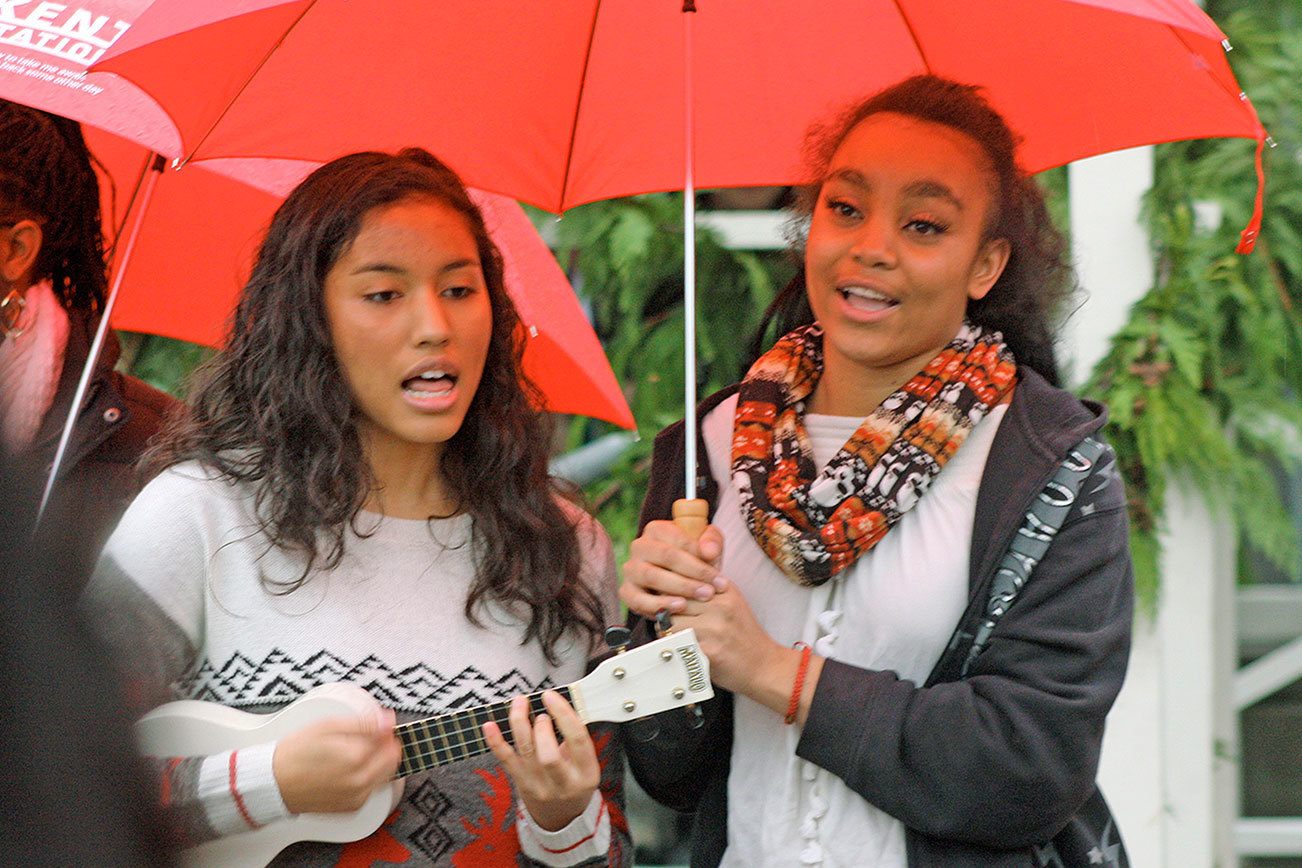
(921, 189)
(851, 176)
(460, 263)
(381, 267)
(927, 189)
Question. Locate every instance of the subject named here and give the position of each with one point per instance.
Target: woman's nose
(873, 244)
(430, 326)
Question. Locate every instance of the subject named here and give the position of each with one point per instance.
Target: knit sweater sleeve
(599, 835)
(146, 601)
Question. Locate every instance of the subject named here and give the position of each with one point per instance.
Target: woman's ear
(20, 244)
(988, 266)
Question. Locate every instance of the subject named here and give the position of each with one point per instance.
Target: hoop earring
(12, 307)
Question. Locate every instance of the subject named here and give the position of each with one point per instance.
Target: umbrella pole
(690, 514)
(156, 169)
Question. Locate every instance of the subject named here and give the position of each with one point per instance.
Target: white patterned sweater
(180, 594)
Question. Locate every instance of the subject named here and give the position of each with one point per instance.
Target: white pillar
(1161, 772)
(1110, 248)
(1195, 623)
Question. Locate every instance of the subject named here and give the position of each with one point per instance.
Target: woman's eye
(458, 291)
(842, 208)
(381, 296)
(927, 227)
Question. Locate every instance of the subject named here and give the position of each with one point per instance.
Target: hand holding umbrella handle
(691, 517)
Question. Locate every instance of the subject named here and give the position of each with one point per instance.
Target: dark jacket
(979, 770)
(98, 478)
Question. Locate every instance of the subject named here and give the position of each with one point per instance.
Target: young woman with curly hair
(865, 481)
(361, 493)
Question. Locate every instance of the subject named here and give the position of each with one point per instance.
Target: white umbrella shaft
(689, 264)
(100, 333)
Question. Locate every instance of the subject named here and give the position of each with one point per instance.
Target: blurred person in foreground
(52, 288)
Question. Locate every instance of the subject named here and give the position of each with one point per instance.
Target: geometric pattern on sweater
(430, 803)
(279, 678)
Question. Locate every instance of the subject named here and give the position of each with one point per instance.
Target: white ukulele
(670, 672)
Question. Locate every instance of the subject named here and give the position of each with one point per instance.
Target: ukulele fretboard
(447, 738)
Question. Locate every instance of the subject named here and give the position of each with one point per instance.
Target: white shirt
(894, 609)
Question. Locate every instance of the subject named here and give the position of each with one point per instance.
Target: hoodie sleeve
(1006, 756)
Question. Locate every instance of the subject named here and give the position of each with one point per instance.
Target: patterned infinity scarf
(813, 527)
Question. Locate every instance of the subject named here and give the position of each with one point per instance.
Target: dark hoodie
(98, 478)
(983, 770)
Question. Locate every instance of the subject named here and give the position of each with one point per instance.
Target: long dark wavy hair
(46, 175)
(274, 411)
(1037, 284)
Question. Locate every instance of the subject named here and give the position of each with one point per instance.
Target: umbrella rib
(252, 75)
(914, 36)
(578, 104)
(1179, 35)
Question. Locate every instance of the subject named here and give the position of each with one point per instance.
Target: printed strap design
(1047, 513)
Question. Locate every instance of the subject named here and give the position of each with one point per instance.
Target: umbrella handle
(691, 517)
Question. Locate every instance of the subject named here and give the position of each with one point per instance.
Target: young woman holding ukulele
(361, 494)
(864, 481)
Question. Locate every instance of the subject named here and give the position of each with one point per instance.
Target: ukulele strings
(496, 712)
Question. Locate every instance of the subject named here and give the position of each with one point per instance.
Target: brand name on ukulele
(695, 672)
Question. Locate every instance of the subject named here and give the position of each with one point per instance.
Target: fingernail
(677, 605)
(384, 717)
(719, 583)
(704, 592)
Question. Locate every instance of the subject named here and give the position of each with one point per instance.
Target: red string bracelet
(796, 689)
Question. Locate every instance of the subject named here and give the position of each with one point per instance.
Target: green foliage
(165, 363)
(626, 259)
(1204, 379)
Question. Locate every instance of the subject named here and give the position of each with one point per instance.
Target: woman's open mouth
(431, 390)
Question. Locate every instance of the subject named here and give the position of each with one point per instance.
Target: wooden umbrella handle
(691, 517)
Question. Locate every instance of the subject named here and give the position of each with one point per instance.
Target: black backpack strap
(1047, 513)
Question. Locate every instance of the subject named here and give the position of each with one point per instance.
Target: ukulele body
(194, 728)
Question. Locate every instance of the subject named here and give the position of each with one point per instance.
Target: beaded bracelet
(799, 686)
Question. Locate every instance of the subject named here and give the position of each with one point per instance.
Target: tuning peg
(664, 623)
(618, 638)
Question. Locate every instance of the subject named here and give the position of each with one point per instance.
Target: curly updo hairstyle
(1037, 284)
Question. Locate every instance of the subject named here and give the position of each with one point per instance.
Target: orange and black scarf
(815, 525)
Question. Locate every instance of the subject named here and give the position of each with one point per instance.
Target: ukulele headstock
(670, 672)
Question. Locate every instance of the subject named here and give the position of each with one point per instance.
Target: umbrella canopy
(570, 101)
(202, 226)
(204, 222)
(44, 51)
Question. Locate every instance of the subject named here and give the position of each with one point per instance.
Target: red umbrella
(569, 101)
(194, 248)
(184, 269)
